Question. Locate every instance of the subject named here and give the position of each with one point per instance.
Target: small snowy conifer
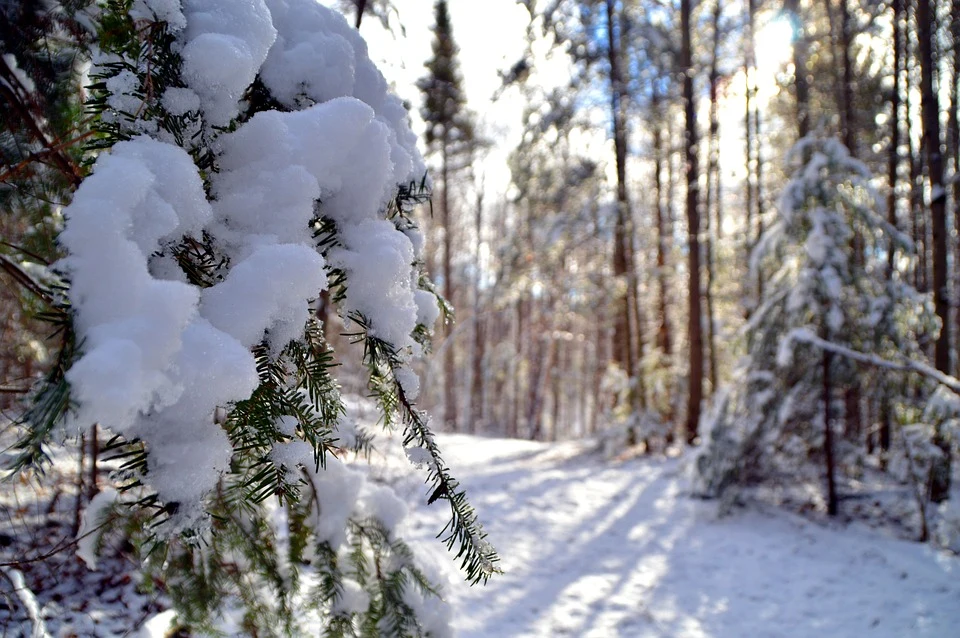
(774, 423)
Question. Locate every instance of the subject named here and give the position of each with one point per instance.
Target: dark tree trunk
(93, 488)
(695, 317)
(832, 501)
(800, 81)
(848, 112)
(893, 163)
(953, 124)
(940, 473)
(622, 337)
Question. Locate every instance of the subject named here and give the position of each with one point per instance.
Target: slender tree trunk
(800, 82)
(940, 473)
(477, 377)
(93, 488)
(600, 338)
(916, 190)
(848, 111)
(832, 501)
(893, 163)
(953, 124)
(663, 330)
(636, 312)
(449, 360)
(695, 318)
(760, 191)
(853, 416)
(622, 339)
(513, 424)
(747, 290)
(78, 505)
(713, 177)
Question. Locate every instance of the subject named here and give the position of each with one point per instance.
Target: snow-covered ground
(594, 547)
(591, 547)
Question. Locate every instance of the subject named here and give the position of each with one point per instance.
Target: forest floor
(600, 548)
(590, 547)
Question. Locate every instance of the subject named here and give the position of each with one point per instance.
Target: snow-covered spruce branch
(233, 179)
(395, 393)
(805, 335)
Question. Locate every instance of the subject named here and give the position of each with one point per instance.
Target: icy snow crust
(159, 354)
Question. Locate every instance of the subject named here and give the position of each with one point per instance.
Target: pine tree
(449, 134)
(819, 295)
(188, 321)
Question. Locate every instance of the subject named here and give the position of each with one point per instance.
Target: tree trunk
(953, 124)
(916, 192)
(476, 381)
(800, 82)
(93, 488)
(449, 361)
(695, 318)
(940, 474)
(848, 111)
(663, 330)
(713, 177)
(893, 163)
(749, 69)
(832, 501)
(622, 338)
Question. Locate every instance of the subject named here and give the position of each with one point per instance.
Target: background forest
(700, 244)
(719, 239)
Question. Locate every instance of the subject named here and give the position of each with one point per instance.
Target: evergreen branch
(479, 558)
(804, 335)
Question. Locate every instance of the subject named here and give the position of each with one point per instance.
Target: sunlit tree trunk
(713, 192)
(622, 268)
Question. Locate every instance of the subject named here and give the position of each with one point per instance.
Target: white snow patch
(93, 516)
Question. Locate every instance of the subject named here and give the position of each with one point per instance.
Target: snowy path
(602, 549)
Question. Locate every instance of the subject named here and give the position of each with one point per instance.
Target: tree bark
(449, 360)
(713, 190)
(800, 82)
(622, 338)
(848, 110)
(695, 318)
(832, 501)
(477, 354)
(893, 163)
(663, 329)
(953, 125)
(940, 473)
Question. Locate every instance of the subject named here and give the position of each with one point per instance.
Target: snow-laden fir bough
(252, 156)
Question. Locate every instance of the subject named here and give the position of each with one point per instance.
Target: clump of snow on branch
(160, 355)
(153, 368)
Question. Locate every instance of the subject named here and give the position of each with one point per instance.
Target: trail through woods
(594, 548)
(591, 547)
